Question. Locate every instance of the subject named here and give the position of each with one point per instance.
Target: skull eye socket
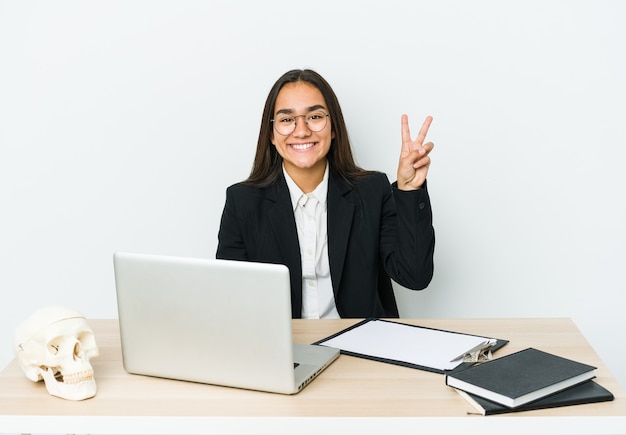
(87, 340)
(55, 345)
(61, 345)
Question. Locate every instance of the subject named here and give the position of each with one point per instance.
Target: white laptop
(212, 321)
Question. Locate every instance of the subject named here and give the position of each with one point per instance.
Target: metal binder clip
(479, 353)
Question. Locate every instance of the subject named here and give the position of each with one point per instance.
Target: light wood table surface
(353, 395)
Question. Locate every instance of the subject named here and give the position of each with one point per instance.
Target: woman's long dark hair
(267, 165)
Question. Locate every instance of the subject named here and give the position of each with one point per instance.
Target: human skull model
(55, 344)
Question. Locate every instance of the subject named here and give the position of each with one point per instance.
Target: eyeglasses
(315, 121)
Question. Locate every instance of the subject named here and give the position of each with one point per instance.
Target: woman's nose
(302, 129)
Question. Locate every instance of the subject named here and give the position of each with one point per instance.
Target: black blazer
(375, 232)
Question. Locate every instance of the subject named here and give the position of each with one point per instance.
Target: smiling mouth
(303, 146)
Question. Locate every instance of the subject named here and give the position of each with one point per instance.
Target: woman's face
(302, 149)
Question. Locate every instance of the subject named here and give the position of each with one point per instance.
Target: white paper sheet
(400, 342)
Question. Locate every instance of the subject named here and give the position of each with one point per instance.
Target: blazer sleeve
(230, 238)
(408, 237)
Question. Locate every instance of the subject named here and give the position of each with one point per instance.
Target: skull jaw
(81, 390)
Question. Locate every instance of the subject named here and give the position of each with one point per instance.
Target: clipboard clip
(479, 353)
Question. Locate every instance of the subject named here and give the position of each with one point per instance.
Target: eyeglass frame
(295, 123)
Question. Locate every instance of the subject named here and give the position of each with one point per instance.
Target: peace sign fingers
(414, 157)
(408, 144)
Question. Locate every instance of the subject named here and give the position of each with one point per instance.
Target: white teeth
(302, 146)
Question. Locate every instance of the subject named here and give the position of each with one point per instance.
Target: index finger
(421, 136)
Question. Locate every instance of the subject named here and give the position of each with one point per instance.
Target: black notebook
(587, 392)
(522, 377)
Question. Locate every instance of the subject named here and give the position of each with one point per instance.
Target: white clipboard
(409, 345)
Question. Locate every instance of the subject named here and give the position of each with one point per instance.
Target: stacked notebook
(525, 380)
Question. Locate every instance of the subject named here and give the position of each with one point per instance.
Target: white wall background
(122, 123)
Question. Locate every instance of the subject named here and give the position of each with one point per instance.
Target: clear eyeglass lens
(286, 124)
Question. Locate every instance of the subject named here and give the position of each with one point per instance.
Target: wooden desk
(352, 396)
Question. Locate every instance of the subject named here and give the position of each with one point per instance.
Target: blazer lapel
(340, 214)
(283, 225)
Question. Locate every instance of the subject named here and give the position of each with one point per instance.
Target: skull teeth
(75, 378)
